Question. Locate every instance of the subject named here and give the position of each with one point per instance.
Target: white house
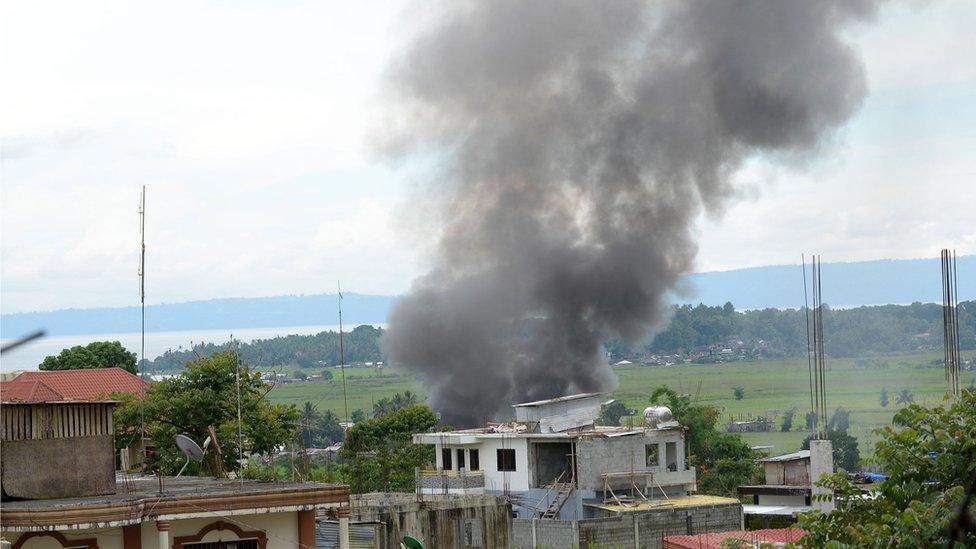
(553, 460)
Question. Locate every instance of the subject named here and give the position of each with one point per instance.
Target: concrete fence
(639, 530)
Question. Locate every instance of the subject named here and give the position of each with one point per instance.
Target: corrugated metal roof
(361, 536)
(802, 454)
(557, 399)
(87, 384)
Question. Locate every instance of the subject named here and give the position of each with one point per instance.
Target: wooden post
(306, 529)
(132, 536)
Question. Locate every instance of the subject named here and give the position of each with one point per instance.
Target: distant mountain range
(777, 286)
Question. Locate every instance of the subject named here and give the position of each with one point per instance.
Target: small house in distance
(556, 462)
(789, 484)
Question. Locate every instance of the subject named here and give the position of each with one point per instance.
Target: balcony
(438, 481)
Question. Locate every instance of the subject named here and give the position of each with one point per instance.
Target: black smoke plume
(577, 141)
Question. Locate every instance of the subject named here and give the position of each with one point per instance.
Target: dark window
(446, 458)
(506, 459)
(460, 453)
(474, 459)
(650, 455)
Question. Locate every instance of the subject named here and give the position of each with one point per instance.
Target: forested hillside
(774, 333)
(305, 351)
(767, 333)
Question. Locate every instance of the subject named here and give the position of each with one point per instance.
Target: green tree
(379, 455)
(927, 455)
(611, 414)
(905, 397)
(204, 395)
(723, 460)
(739, 393)
(357, 415)
(884, 397)
(301, 376)
(788, 420)
(308, 424)
(97, 354)
(840, 421)
(386, 406)
(846, 454)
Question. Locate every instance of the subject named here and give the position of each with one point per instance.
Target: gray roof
(802, 454)
(557, 399)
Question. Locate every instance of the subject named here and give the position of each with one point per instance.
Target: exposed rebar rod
(806, 311)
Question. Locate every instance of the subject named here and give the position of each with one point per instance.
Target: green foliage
(905, 397)
(378, 454)
(97, 354)
(928, 456)
(610, 415)
(884, 397)
(788, 420)
(204, 395)
(723, 460)
(318, 429)
(306, 351)
(738, 392)
(357, 415)
(846, 453)
(840, 421)
(850, 332)
(386, 406)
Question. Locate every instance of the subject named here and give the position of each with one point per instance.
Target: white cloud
(248, 122)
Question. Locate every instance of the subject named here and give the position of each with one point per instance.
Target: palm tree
(905, 397)
(308, 420)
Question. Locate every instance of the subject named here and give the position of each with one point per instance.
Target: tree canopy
(724, 461)
(378, 454)
(97, 354)
(928, 455)
(205, 395)
(362, 344)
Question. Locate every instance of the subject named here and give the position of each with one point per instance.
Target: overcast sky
(250, 123)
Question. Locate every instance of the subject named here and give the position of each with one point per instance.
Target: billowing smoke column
(578, 141)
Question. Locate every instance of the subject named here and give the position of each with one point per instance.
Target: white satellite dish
(189, 448)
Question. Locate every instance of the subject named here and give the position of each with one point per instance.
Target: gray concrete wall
(52, 468)
(441, 521)
(637, 530)
(599, 455)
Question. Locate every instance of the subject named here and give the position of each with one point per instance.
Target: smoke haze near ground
(577, 143)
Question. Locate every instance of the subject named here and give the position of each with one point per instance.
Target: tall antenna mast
(342, 357)
(142, 304)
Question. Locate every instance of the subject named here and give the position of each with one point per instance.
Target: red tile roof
(88, 384)
(715, 539)
(27, 391)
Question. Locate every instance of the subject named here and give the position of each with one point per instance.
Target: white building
(554, 461)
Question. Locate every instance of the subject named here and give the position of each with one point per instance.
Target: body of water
(29, 356)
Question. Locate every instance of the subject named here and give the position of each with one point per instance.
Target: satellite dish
(191, 449)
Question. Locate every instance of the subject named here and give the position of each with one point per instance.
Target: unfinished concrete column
(343, 514)
(162, 526)
(821, 463)
(306, 529)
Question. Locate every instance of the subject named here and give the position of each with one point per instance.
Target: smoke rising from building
(577, 142)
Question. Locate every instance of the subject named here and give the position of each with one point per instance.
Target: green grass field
(771, 388)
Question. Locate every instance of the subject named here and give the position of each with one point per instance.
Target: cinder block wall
(643, 530)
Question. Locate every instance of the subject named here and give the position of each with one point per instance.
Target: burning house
(555, 461)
